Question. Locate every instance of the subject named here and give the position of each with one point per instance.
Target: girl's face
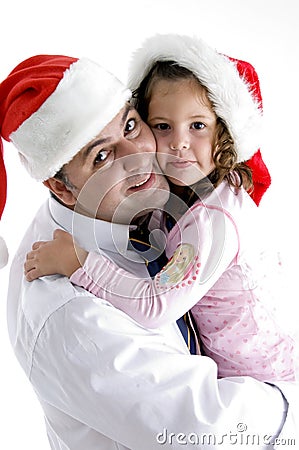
(184, 125)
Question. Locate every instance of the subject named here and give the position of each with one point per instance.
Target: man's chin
(140, 204)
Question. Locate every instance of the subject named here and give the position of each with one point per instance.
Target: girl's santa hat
(233, 89)
(51, 106)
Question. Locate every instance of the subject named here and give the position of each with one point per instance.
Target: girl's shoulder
(230, 198)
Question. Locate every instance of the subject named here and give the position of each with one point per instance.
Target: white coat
(105, 382)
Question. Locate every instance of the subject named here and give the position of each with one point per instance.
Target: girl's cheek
(162, 153)
(159, 143)
(159, 147)
(147, 140)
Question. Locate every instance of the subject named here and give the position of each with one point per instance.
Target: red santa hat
(3, 247)
(233, 89)
(50, 107)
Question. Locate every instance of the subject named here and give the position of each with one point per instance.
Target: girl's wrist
(77, 262)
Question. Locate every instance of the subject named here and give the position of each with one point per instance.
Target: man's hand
(61, 255)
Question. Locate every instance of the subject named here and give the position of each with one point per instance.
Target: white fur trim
(86, 99)
(228, 92)
(3, 253)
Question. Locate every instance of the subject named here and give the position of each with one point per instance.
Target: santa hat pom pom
(3, 253)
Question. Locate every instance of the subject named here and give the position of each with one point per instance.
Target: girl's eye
(161, 126)
(130, 125)
(101, 156)
(198, 125)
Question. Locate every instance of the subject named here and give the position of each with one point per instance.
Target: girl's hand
(61, 255)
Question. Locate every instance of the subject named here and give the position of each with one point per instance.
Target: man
(103, 380)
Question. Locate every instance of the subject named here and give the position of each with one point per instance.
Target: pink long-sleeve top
(215, 269)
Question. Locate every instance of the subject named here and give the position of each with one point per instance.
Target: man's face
(116, 177)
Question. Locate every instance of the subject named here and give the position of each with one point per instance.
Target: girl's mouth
(182, 164)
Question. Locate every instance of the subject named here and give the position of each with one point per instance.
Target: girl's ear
(61, 191)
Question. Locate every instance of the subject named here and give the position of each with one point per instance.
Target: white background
(264, 32)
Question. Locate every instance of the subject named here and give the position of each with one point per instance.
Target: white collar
(93, 234)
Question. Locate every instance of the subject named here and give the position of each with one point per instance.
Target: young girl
(205, 121)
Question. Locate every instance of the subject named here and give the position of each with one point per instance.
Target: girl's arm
(189, 274)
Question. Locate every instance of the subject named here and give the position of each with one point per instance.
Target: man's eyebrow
(128, 108)
(92, 145)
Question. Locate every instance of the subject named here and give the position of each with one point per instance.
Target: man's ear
(61, 191)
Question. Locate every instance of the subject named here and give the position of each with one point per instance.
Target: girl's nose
(179, 142)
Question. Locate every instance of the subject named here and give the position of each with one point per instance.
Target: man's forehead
(106, 134)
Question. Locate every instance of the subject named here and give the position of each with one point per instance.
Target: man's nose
(134, 159)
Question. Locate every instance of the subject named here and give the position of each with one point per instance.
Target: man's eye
(101, 156)
(162, 126)
(198, 125)
(130, 125)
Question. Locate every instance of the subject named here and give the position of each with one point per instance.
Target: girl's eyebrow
(195, 116)
(199, 116)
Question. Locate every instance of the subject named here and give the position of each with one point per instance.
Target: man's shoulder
(33, 305)
(42, 297)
